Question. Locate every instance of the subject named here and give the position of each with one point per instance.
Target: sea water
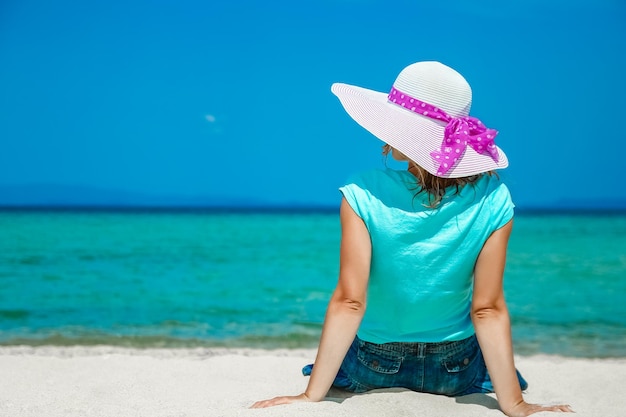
(263, 279)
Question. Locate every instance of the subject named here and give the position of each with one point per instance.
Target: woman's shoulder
(489, 188)
(490, 183)
(382, 188)
(496, 193)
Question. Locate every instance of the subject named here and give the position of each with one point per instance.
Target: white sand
(107, 381)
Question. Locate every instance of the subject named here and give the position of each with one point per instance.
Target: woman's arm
(493, 329)
(345, 309)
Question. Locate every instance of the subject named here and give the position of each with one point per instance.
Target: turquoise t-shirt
(421, 275)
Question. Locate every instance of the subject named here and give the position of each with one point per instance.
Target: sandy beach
(111, 381)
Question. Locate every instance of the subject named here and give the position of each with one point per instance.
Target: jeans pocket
(461, 360)
(458, 368)
(377, 360)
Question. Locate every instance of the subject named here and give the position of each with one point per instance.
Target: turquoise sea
(262, 279)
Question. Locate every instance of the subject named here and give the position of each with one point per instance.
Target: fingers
(279, 401)
(270, 403)
(563, 408)
(524, 409)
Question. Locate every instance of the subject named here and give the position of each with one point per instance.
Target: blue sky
(231, 100)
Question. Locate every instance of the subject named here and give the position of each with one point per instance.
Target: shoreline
(118, 381)
(200, 352)
(203, 352)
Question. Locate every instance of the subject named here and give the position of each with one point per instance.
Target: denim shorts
(449, 368)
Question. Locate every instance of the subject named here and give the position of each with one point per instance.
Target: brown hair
(436, 186)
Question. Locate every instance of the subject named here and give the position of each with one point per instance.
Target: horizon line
(261, 208)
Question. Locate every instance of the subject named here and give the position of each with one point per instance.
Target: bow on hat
(458, 134)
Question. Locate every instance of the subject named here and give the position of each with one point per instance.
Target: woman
(419, 302)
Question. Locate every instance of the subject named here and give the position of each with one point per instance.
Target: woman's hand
(281, 401)
(524, 409)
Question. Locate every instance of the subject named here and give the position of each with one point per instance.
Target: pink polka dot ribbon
(459, 132)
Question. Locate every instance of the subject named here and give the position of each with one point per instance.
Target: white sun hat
(426, 117)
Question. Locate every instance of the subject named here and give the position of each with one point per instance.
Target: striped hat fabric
(418, 135)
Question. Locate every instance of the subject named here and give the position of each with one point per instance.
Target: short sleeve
(502, 206)
(354, 193)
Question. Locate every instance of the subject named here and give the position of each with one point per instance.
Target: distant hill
(615, 205)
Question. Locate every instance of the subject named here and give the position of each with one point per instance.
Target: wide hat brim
(414, 135)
